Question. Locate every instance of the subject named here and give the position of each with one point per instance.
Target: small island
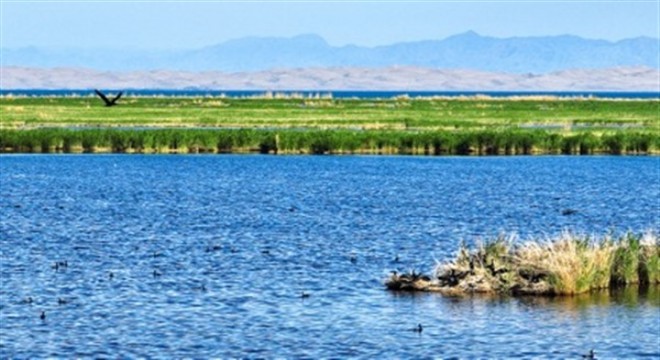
(567, 265)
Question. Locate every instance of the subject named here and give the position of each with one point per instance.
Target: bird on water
(418, 329)
(109, 102)
(43, 315)
(590, 355)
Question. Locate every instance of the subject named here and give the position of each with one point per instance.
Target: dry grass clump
(566, 265)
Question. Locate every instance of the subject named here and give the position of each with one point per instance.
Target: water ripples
(208, 256)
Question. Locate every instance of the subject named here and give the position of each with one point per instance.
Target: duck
(213, 248)
(43, 315)
(418, 329)
(304, 295)
(590, 355)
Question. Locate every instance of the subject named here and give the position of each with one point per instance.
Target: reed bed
(335, 141)
(567, 265)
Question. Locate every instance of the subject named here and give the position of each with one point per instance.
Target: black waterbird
(590, 355)
(109, 102)
(418, 329)
(304, 295)
(43, 315)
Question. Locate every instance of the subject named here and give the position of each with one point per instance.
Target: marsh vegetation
(566, 265)
(313, 141)
(432, 126)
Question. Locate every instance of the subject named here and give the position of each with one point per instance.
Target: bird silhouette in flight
(107, 101)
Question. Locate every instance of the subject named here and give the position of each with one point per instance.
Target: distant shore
(586, 95)
(408, 78)
(293, 124)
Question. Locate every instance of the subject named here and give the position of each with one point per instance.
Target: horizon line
(321, 37)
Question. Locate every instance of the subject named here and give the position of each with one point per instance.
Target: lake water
(340, 94)
(207, 256)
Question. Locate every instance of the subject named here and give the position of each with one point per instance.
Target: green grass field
(323, 125)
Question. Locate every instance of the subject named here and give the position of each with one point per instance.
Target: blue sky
(184, 25)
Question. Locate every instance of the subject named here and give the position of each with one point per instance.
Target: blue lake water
(340, 94)
(209, 255)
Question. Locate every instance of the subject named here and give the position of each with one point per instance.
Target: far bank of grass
(321, 125)
(567, 265)
(401, 113)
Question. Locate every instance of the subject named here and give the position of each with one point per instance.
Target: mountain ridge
(468, 50)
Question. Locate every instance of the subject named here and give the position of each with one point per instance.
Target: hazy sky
(177, 25)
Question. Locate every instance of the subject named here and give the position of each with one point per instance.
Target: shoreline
(483, 142)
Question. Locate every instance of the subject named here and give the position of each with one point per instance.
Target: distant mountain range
(337, 78)
(518, 55)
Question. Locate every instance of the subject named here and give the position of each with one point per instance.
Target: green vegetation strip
(567, 265)
(323, 113)
(433, 126)
(459, 142)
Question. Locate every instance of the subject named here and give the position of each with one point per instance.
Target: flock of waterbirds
(62, 265)
(59, 266)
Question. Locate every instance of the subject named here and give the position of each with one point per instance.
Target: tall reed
(331, 141)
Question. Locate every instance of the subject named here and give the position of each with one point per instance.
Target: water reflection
(630, 297)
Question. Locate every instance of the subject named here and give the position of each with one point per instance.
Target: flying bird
(106, 100)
